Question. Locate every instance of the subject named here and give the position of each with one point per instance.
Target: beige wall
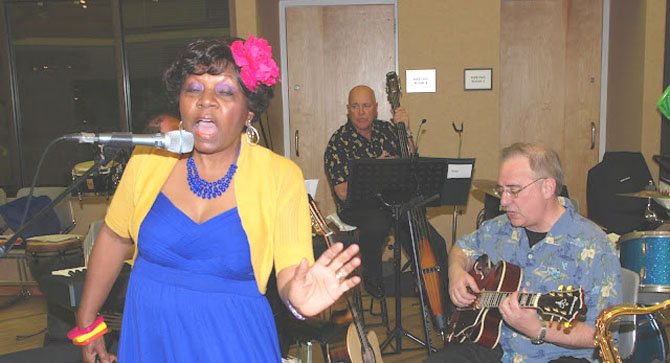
(243, 18)
(448, 36)
(268, 14)
(653, 81)
(637, 36)
(261, 18)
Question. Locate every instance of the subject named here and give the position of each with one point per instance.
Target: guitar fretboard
(492, 299)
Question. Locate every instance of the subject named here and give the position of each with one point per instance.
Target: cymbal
(646, 194)
(486, 186)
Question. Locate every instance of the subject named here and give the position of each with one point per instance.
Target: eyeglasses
(513, 192)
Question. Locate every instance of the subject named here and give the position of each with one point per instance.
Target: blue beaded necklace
(208, 190)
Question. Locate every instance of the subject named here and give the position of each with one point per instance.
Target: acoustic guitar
(481, 322)
(355, 345)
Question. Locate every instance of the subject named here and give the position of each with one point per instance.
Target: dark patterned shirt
(347, 144)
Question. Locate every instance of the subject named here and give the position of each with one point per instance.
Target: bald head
(362, 90)
(362, 109)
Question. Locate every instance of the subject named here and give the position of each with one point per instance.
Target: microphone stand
(104, 157)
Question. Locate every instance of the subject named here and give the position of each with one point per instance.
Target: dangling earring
(252, 134)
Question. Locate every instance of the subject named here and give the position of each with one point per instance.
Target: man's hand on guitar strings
(463, 289)
(315, 288)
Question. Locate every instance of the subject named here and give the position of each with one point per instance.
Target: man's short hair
(543, 162)
(154, 124)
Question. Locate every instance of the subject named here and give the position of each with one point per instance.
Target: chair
(63, 209)
(627, 331)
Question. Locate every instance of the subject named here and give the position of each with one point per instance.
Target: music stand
(457, 188)
(403, 184)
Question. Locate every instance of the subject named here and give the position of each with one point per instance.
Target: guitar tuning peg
(555, 310)
(552, 294)
(560, 287)
(567, 325)
(563, 312)
(570, 288)
(547, 309)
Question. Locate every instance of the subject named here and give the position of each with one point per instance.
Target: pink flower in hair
(254, 57)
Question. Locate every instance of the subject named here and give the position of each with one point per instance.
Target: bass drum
(647, 253)
(651, 338)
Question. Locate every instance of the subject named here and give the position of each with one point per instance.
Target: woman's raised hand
(314, 288)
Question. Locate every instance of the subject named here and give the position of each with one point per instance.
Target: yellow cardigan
(271, 200)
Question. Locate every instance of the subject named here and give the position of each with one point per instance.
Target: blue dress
(192, 296)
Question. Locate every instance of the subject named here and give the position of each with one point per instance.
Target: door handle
(593, 135)
(296, 140)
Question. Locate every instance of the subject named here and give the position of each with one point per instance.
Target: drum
(651, 338)
(103, 182)
(647, 253)
(54, 252)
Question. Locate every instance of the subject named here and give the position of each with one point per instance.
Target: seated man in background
(553, 245)
(162, 123)
(364, 136)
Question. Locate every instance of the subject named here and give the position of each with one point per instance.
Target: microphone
(418, 134)
(177, 141)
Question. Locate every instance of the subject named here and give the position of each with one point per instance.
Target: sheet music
(311, 185)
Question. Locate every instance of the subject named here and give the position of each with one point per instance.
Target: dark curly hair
(211, 56)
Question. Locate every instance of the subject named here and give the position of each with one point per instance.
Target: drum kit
(647, 253)
(103, 182)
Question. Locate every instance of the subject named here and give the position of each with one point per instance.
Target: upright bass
(418, 223)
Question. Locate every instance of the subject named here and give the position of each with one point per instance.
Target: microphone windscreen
(179, 141)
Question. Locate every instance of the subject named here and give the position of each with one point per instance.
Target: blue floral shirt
(574, 252)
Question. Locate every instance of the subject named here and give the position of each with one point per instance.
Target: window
(68, 64)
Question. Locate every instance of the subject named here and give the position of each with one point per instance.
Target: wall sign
(478, 79)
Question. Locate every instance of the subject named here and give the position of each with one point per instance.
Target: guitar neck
(492, 299)
(321, 227)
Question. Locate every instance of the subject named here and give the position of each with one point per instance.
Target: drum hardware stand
(649, 214)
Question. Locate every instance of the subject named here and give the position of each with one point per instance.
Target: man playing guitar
(553, 245)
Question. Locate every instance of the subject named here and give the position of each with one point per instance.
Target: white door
(330, 49)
